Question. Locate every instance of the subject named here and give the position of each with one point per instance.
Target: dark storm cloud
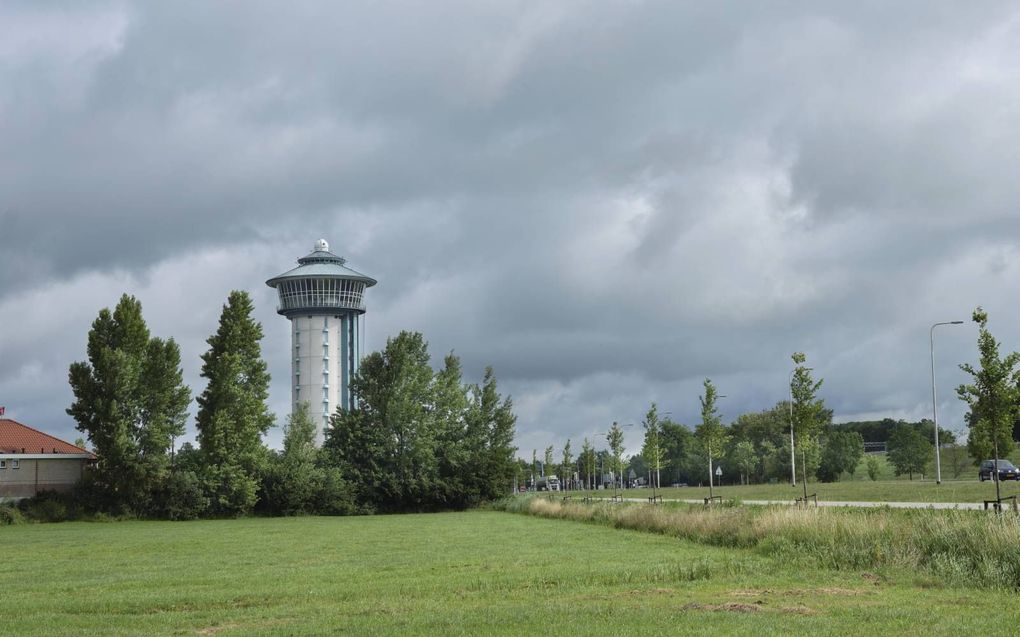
(606, 201)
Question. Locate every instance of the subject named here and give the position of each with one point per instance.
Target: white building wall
(325, 353)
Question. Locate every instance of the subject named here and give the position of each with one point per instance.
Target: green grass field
(476, 573)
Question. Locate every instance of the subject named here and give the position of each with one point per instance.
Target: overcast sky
(606, 201)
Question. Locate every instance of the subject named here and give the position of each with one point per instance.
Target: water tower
(323, 299)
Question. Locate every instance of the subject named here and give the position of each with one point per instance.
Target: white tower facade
(324, 300)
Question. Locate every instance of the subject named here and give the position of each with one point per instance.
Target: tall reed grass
(957, 547)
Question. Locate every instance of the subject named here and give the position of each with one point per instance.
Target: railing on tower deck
(333, 293)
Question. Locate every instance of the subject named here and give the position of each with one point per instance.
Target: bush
(182, 497)
(49, 506)
(9, 514)
(231, 492)
(873, 467)
(334, 495)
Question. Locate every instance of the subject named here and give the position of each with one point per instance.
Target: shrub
(182, 497)
(9, 514)
(48, 506)
(873, 467)
(231, 492)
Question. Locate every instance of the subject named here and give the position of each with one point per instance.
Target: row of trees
(418, 440)
(757, 445)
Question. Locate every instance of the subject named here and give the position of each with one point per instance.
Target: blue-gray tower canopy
(324, 300)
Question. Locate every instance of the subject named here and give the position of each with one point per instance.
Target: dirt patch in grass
(212, 630)
(798, 610)
(796, 592)
(729, 607)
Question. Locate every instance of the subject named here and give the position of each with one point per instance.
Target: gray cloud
(607, 202)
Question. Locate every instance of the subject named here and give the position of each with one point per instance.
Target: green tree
(535, 474)
(745, 458)
(992, 396)
(566, 468)
(587, 462)
(908, 450)
(292, 479)
(615, 440)
(710, 433)
(680, 457)
(501, 427)
(233, 415)
(842, 452)
(547, 460)
(652, 449)
(460, 441)
(873, 466)
(807, 410)
(131, 401)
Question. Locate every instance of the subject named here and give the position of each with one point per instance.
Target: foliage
(567, 466)
(231, 491)
(992, 396)
(131, 401)
(744, 458)
(841, 453)
(873, 466)
(908, 451)
(233, 415)
(183, 497)
(710, 433)
(615, 440)
(651, 451)
(10, 514)
(297, 482)
(880, 430)
(807, 409)
(587, 463)
(420, 440)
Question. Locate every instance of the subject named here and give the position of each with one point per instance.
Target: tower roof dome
(321, 263)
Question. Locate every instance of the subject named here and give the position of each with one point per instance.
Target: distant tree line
(417, 440)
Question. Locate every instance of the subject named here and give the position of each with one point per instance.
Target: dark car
(1006, 470)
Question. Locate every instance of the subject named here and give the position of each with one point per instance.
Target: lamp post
(793, 456)
(934, 400)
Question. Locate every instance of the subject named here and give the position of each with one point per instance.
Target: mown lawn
(857, 490)
(476, 573)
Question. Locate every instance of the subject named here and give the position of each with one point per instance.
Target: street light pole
(793, 456)
(934, 399)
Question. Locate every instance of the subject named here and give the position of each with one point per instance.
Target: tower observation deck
(324, 300)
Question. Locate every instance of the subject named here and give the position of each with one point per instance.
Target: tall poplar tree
(233, 415)
(498, 422)
(131, 401)
(992, 396)
(459, 446)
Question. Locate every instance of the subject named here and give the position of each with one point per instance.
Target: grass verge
(963, 547)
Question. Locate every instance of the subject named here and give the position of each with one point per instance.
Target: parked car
(1006, 470)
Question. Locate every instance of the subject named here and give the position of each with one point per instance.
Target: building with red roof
(32, 461)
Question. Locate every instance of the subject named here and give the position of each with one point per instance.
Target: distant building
(32, 461)
(323, 299)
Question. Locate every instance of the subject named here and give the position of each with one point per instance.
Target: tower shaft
(326, 350)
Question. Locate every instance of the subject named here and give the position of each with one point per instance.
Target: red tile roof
(18, 438)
